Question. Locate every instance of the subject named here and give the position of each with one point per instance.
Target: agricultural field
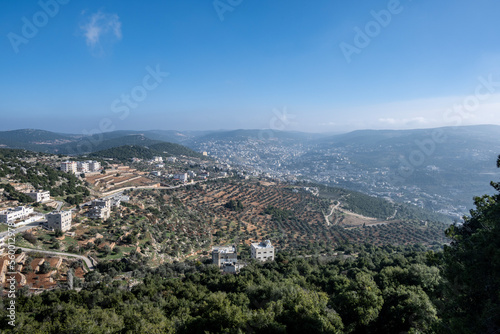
(119, 177)
(241, 212)
(163, 225)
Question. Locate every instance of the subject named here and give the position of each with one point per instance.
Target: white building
(82, 167)
(58, 220)
(224, 255)
(182, 176)
(100, 209)
(171, 159)
(232, 268)
(99, 212)
(102, 203)
(39, 196)
(94, 166)
(69, 166)
(262, 251)
(157, 159)
(12, 214)
(156, 173)
(88, 166)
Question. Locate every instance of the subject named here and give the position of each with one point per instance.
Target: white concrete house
(262, 251)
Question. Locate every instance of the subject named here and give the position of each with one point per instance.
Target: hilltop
(99, 144)
(436, 169)
(127, 152)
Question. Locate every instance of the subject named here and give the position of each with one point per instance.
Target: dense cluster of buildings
(56, 220)
(88, 166)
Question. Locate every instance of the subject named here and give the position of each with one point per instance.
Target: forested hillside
(384, 290)
(40, 176)
(126, 152)
(376, 207)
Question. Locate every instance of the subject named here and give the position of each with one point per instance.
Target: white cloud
(406, 121)
(99, 25)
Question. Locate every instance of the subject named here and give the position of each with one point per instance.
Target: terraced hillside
(245, 211)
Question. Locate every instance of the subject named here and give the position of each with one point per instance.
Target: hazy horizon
(250, 129)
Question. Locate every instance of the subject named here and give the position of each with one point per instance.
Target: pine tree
(472, 267)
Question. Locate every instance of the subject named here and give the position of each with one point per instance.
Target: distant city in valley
(436, 169)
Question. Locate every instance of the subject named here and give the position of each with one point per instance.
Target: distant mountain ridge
(411, 166)
(71, 144)
(51, 142)
(126, 152)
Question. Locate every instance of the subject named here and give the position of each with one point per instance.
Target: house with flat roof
(263, 251)
(58, 220)
(100, 209)
(181, 176)
(39, 196)
(224, 255)
(12, 214)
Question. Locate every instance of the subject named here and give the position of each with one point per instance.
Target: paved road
(112, 192)
(84, 258)
(20, 229)
(59, 205)
(34, 224)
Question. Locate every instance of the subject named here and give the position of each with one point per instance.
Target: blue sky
(232, 64)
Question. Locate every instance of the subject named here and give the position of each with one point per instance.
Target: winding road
(84, 258)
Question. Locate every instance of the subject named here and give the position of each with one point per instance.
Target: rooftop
(262, 244)
(224, 249)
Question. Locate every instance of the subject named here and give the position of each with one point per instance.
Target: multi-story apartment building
(102, 202)
(12, 214)
(94, 166)
(262, 251)
(69, 166)
(182, 176)
(88, 166)
(39, 196)
(100, 209)
(58, 220)
(82, 167)
(224, 254)
(97, 212)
